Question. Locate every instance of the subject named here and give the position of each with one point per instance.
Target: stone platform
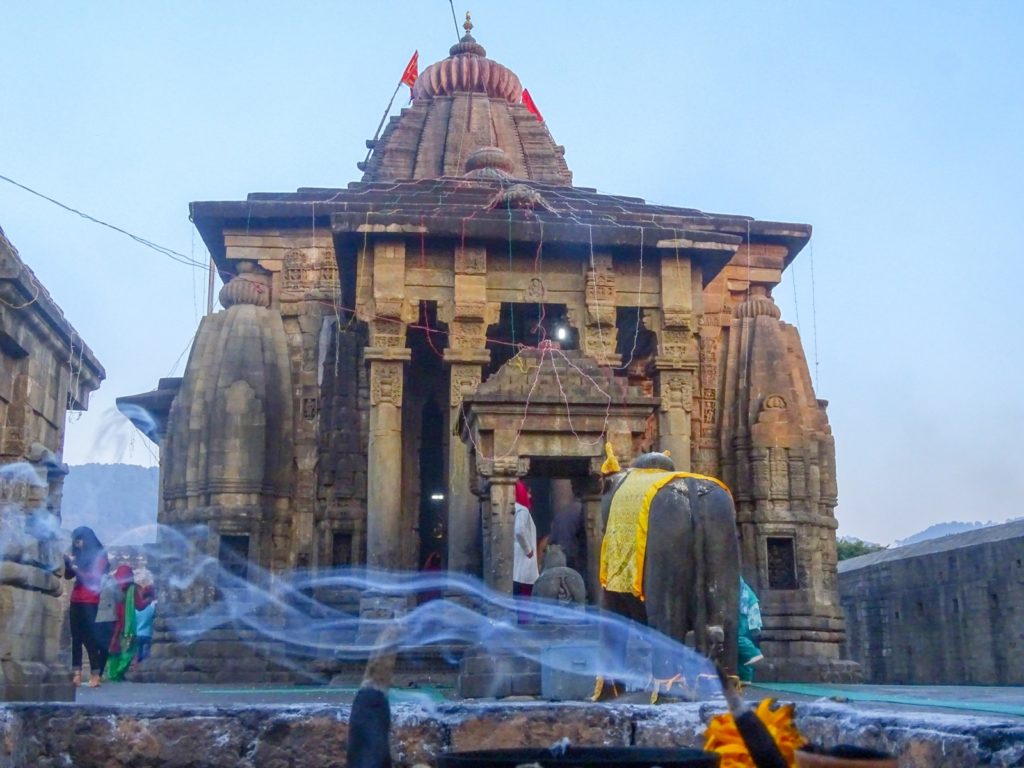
(224, 727)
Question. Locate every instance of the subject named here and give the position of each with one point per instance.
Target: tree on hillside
(847, 548)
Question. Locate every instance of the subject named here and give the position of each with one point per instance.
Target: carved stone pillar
(598, 333)
(384, 459)
(675, 387)
(502, 473)
(463, 514)
(675, 382)
(592, 498)
(467, 316)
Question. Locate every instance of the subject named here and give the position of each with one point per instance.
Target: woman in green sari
(123, 645)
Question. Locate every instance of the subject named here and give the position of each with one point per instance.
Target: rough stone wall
(944, 612)
(45, 370)
(48, 736)
(341, 472)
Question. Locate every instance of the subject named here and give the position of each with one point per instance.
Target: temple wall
(342, 468)
(45, 370)
(947, 612)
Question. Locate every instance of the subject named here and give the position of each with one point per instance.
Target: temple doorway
(425, 449)
(555, 483)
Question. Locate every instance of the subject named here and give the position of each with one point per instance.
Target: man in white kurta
(524, 562)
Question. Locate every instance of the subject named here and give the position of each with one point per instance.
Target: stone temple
(46, 370)
(394, 354)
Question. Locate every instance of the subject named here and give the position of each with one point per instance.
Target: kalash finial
(467, 45)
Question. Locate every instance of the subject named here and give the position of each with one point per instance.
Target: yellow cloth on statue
(624, 547)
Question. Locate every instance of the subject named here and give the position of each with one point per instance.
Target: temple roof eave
(457, 208)
(149, 411)
(25, 289)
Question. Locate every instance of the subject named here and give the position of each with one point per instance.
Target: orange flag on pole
(530, 106)
(412, 70)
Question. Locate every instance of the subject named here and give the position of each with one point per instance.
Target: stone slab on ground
(278, 731)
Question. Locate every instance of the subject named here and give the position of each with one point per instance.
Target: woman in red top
(86, 564)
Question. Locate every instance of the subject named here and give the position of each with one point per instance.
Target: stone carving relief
(503, 466)
(535, 290)
(600, 291)
(386, 383)
(310, 408)
(774, 402)
(709, 386)
(299, 270)
(676, 392)
(677, 318)
(328, 272)
(674, 344)
(463, 335)
(386, 334)
(464, 381)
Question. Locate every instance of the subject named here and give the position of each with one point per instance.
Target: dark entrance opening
(341, 550)
(528, 325)
(781, 563)
(554, 484)
(233, 556)
(433, 485)
(425, 423)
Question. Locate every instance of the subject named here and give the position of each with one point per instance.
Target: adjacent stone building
(394, 354)
(949, 611)
(45, 370)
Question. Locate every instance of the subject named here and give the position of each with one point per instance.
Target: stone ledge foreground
(304, 736)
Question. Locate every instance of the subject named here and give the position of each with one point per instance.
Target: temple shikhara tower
(394, 354)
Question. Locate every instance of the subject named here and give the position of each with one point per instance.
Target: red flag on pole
(412, 70)
(530, 106)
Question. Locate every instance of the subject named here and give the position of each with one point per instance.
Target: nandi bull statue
(669, 559)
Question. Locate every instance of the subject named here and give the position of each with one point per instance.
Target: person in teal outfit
(749, 632)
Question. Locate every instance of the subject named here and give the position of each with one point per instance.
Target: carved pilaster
(463, 513)
(386, 357)
(502, 472)
(386, 379)
(598, 332)
(595, 534)
(676, 389)
(464, 379)
(676, 378)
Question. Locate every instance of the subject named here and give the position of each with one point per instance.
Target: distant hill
(115, 500)
(942, 529)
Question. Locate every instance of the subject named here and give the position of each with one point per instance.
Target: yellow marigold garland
(723, 738)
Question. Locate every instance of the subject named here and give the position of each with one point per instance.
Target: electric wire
(170, 253)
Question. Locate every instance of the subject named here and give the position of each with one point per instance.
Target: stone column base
(35, 681)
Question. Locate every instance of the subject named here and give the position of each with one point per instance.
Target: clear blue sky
(895, 129)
